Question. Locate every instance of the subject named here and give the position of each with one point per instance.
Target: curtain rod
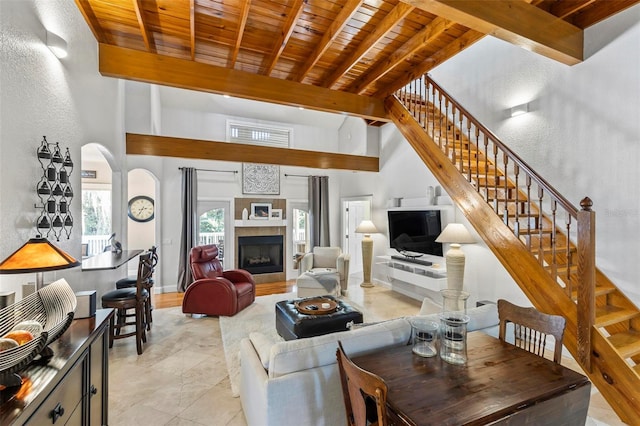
(212, 170)
(287, 175)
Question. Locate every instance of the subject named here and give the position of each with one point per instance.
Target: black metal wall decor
(54, 190)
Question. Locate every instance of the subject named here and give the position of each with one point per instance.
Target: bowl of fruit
(29, 325)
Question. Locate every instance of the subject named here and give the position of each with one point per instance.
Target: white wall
(583, 132)
(66, 100)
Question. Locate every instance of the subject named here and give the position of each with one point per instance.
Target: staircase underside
(615, 345)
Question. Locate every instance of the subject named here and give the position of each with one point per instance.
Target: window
(211, 229)
(259, 134)
(96, 219)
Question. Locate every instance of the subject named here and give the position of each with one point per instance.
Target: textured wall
(67, 101)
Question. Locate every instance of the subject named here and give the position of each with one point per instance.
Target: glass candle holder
(453, 342)
(424, 335)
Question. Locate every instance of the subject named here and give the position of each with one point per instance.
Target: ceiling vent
(259, 134)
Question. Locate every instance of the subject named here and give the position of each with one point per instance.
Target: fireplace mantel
(259, 223)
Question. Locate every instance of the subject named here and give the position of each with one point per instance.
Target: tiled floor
(181, 378)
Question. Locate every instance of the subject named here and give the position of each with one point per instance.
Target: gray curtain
(189, 235)
(319, 211)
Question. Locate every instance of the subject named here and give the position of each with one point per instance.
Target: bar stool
(130, 281)
(132, 298)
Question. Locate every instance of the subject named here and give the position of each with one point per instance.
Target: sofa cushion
(325, 257)
(296, 355)
(482, 317)
(262, 344)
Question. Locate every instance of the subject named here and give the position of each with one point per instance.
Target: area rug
(260, 317)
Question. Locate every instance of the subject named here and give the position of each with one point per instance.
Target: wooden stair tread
(626, 343)
(599, 291)
(607, 315)
(533, 231)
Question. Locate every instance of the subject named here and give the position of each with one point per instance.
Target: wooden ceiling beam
(397, 14)
(516, 22)
(285, 34)
(453, 48)
(564, 8)
(418, 41)
(136, 65)
(92, 21)
(347, 11)
(244, 14)
(162, 146)
(192, 28)
(147, 36)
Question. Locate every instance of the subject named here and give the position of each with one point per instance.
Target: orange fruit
(20, 336)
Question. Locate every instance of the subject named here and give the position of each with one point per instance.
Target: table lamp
(367, 228)
(37, 255)
(456, 234)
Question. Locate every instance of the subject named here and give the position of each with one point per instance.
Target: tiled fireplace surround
(262, 227)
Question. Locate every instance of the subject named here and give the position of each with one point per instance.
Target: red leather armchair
(214, 291)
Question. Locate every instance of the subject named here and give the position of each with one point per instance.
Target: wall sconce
(57, 45)
(520, 109)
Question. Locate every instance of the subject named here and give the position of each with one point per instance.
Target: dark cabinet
(72, 388)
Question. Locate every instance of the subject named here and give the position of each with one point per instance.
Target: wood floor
(168, 300)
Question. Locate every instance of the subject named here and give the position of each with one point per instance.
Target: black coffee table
(292, 324)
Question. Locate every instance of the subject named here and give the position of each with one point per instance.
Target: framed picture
(260, 179)
(276, 214)
(261, 211)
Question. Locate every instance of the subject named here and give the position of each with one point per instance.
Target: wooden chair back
(531, 328)
(145, 273)
(358, 387)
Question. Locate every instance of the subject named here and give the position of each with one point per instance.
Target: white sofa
(297, 381)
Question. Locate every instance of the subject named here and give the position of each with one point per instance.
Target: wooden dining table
(500, 384)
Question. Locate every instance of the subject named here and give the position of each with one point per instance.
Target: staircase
(546, 243)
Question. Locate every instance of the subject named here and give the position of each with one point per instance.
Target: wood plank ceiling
(331, 55)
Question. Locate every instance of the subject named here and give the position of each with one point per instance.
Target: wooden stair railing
(531, 228)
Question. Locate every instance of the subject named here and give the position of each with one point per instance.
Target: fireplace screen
(261, 254)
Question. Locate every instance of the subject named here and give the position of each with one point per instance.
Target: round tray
(307, 306)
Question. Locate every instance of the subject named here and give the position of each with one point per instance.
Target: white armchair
(327, 258)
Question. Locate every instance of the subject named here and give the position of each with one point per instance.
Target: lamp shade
(37, 255)
(366, 227)
(455, 233)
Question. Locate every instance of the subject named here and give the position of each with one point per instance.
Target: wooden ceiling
(331, 55)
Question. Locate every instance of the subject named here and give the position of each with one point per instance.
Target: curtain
(318, 211)
(189, 233)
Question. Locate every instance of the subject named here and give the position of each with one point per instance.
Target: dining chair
(531, 328)
(130, 306)
(365, 394)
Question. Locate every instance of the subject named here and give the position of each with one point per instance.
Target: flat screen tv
(415, 231)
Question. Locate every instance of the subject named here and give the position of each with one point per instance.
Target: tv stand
(411, 259)
(411, 278)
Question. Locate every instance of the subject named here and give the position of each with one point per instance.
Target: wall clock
(141, 208)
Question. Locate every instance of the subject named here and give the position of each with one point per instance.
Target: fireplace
(261, 254)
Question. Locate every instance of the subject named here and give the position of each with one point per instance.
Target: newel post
(586, 280)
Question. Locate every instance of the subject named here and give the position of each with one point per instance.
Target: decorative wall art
(260, 179)
(54, 190)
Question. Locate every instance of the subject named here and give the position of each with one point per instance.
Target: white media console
(398, 273)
